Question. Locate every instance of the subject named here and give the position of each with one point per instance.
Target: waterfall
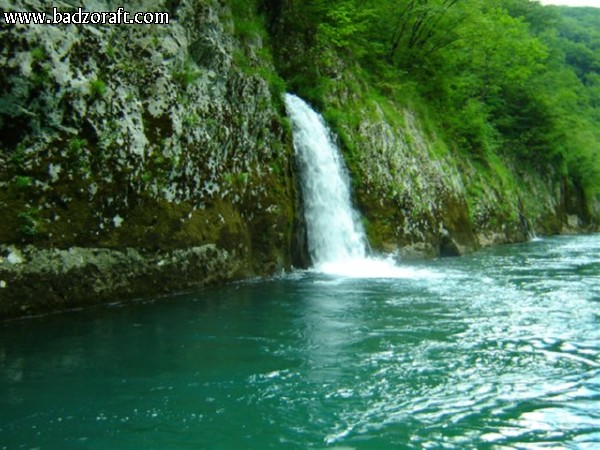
(334, 230)
(531, 232)
(336, 239)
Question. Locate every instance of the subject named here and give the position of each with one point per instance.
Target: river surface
(500, 349)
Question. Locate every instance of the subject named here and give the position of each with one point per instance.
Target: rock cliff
(154, 138)
(141, 159)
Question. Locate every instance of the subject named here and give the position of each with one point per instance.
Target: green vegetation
(23, 182)
(254, 56)
(187, 74)
(38, 54)
(110, 51)
(76, 146)
(192, 119)
(28, 222)
(40, 75)
(97, 88)
(78, 155)
(18, 158)
(239, 179)
(506, 83)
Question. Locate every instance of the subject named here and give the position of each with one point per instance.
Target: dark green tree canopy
(506, 76)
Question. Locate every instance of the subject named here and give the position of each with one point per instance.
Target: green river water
(500, 349)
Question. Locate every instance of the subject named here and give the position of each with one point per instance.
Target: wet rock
(418, 251)
(51, 279)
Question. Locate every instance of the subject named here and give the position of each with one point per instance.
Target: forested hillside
(509, 87)
(511, 76)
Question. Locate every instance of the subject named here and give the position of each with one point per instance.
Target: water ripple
(501, 351)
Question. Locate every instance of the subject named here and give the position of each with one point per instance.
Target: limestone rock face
(155, 137)
(421, 195)
(413, 198)
(420, 198)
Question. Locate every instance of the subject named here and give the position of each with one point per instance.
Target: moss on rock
(158, 139)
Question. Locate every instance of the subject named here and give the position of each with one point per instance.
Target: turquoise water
(500, 349)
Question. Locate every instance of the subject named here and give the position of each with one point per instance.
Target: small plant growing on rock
(38, 54)
(186, 75)
(243, 178)
(110, 51)
(97, 88)
(75, 146)
(191, 120)
(40, 75)
(23, 182)
(18, 158)
(77, 155)
(28, 222)
(228, 178)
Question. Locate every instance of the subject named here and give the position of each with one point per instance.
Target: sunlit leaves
(503, 76)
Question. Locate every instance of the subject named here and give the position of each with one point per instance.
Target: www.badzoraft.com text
(82, 17)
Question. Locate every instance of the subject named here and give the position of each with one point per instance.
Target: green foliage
(344, 23)
(277, 84)
(132, 69)
(97, 88)
(471, 128)
(38, 54)
(18, 158)
(248, 30)
(28, 222)
(500, 78)
(77, 155)
(243, 178)
(191, 120)
(238, 179)
(40, 75)
(76, 146)
(253, 56)
(186, 74)
(158, 168)
(23, 182)
(276, 168)
(579, 31)
(110, 51)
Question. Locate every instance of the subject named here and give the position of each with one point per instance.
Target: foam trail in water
(336, 239)
(369, 267)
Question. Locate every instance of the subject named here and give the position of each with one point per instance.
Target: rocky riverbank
(145, 159)
(34, 281)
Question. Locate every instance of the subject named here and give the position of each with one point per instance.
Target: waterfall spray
(336, 239)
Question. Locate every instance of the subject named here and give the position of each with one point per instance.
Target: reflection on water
(496, 350)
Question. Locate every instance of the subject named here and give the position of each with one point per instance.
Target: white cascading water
(333, 228)
(336, 239)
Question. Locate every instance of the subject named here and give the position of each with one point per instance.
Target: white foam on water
(336, 240)
(383, 268)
